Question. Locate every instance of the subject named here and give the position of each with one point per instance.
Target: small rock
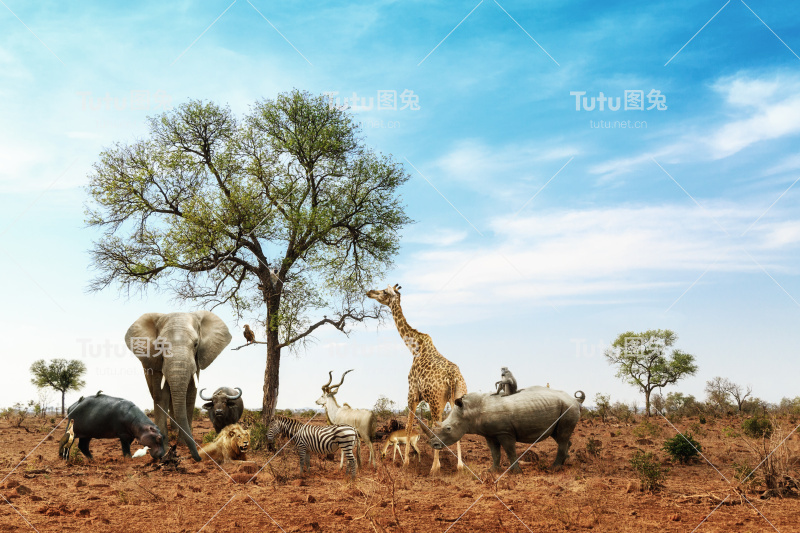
(36, 498)
(297, 483)
(629, 487)
(406, 507)
(80, 483)
(675, 518)
(22, 490)
(11, 484)
(311, 499)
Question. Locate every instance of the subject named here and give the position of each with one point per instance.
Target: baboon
(507, 384)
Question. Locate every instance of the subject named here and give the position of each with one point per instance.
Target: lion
(230, 446)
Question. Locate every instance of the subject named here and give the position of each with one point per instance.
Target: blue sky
(542, 231)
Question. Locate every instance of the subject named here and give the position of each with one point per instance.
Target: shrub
(384, 407)
(593, 447)
(258, 436)
(209, 437)
(757, 427)
(646, 429)
(651, 474)
(603, 403)
(682, 448)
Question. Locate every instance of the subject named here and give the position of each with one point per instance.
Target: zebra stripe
(318, 439)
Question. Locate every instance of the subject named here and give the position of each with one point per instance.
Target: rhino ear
(214, 337)
(142, 334)
(459, 403)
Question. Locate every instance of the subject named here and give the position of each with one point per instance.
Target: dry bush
(775, 459)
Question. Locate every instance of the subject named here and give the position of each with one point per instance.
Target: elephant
(173, 348)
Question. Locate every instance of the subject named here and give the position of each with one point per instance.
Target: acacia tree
(641, 360)
(284, 213)
(60, 374)
(719, 388)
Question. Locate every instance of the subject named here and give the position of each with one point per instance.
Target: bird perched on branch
(248, 334)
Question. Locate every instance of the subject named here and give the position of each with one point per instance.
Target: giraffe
(432, 378)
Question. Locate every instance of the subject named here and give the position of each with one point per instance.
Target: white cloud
(598, 255)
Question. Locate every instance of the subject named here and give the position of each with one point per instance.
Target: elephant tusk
(163, 381)
(196, 384)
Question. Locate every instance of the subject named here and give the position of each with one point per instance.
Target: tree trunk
(63, 392)
(647, 402)
(271, 380)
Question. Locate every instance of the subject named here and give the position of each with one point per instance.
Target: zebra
(320, 439)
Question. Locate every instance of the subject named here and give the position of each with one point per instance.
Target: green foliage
(679, 405)
(622, 412)
(642, 361)
(646, 429)
(651, 474)
(682, 448)
(60, 375)
(603, 405)
(249, 417)
(384, 407)
(209, 437)
(207, 204)
(757, 427)
(701, 419)
(258, 435)
(731, 433)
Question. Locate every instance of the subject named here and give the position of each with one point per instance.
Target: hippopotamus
(225, 407)
(529, 415)
(107, 417)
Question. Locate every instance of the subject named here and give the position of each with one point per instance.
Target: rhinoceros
(530, 415)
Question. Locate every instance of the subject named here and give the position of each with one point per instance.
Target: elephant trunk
(179, 376)
(179, 409)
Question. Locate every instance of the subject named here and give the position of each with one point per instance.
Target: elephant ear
(214, 337)
(142, 334)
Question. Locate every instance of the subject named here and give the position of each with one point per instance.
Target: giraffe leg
(412, 408)
(437, 409)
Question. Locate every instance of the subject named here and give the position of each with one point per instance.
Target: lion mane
(230, 445)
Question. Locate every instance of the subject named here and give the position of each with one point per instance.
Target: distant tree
(602, 403)
(718, 390)
(642, 361)
(284, 213)
(681, 404)
(60, 374)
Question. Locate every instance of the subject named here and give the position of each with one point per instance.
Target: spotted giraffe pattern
(432, 378)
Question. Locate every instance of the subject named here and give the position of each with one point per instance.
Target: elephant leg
(126, 445)
(494, 448)
(83, 446)
(509, 444)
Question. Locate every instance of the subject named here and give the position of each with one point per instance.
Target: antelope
(399, 437)
(362, 420)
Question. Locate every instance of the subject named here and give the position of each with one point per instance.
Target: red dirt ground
(600, 493)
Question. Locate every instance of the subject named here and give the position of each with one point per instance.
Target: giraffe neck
(411, 337)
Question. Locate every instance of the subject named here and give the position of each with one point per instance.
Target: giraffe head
(387, 296)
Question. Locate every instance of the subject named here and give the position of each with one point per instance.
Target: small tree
(719, 389)
(60, 374)
(641, 360)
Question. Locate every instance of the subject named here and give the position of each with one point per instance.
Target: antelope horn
(201, 395)
(342, 381)
(237, 396)
(326, 388)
